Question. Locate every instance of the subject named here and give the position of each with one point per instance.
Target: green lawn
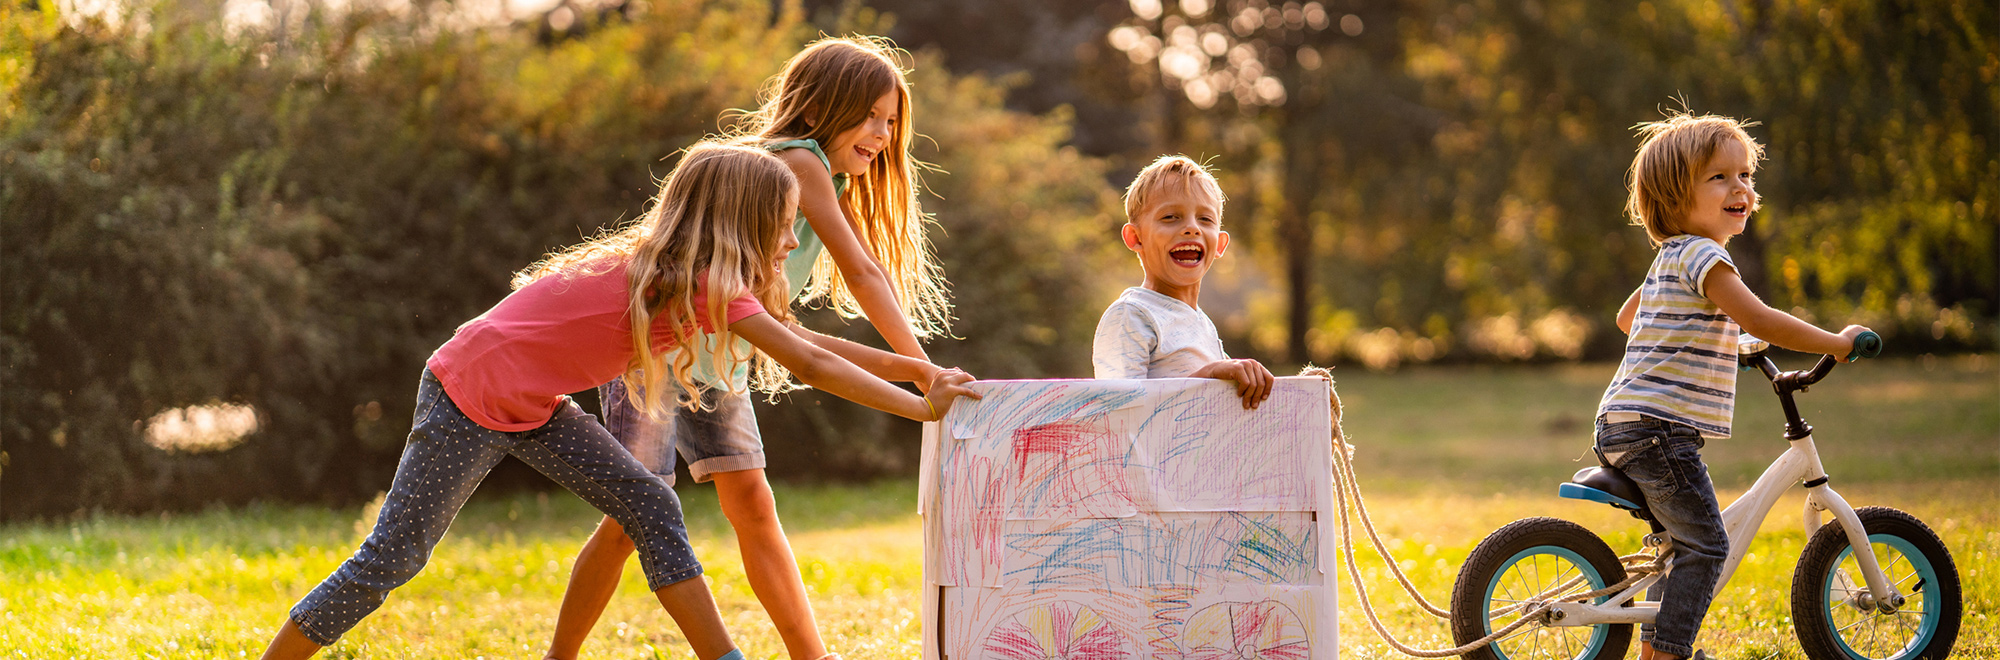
(1446, 455)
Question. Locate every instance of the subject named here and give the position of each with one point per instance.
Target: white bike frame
(1798, 464)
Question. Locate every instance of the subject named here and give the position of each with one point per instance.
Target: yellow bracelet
(934, 415)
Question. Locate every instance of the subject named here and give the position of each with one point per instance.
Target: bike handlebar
(1799, 380)
(1866, 345)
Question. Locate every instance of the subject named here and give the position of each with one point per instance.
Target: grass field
(1446, 455)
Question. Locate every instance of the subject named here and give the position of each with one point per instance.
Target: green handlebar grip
(1866, 345)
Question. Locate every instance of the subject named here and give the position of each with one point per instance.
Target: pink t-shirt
(509, 368)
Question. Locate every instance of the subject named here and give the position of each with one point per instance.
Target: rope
(1637, 566)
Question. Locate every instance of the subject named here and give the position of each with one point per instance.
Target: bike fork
(1822, 498)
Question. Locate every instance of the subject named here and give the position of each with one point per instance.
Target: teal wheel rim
(1875, 633)
(1549, 566)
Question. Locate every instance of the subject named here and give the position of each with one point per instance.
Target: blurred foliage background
(267, 213)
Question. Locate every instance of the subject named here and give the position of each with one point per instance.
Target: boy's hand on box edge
(1253, 381)
(1264, 381)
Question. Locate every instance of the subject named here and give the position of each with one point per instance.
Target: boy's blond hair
(1674, 149)
(1175, 169)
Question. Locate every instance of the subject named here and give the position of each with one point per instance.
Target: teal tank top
(798, 267)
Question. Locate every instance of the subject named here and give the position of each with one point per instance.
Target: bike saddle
(1607, 485)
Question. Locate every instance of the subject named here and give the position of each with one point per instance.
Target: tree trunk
(1297, 232)
(1295, 229)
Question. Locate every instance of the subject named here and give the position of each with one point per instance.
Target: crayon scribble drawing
(1066, 631)
(967, 552)
(1170, 605)
(1266, 630)
(1149, 520)
(1072, 468)
(1168, 548)
(1207, 453)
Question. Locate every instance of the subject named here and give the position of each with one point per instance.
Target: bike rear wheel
(1830, 597)
(1522, 562)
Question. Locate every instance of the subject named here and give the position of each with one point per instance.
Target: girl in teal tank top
(799, 267)
(838, 116)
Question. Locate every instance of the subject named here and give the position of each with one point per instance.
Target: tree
(1451, 173)
(195, 215)
(1301, 84)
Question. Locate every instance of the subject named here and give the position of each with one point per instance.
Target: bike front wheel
(1535, 560)
(1835, 614)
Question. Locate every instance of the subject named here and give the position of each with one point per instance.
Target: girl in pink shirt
(707, 258)
(839, 116)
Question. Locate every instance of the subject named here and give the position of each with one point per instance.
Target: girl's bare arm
(863, 275)
(883, 364)
(825, 370)
(1726, 288)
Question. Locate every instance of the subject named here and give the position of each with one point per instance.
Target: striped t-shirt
(1680, 360)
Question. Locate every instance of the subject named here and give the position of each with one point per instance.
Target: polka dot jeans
(446, 457)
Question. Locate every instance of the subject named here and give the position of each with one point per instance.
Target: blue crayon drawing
(1131, 519)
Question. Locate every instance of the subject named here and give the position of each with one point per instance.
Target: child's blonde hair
(826, 89)
(1672, 154)
(1169, 170)
(717, 221)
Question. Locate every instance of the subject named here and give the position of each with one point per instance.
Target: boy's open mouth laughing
(1188, 255)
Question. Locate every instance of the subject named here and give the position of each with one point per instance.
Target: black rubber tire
(1504, 549)
(1814, 612)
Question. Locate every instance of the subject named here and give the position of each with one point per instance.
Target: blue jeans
(446, 457)
(1665, 459)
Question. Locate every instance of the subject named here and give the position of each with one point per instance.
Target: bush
(295, 219)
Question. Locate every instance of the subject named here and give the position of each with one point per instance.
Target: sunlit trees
(1254, 68)
(1443, 178)
(290, 215)
(197, 220)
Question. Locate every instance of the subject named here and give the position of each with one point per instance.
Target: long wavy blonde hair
(716, 223)
(823, 91)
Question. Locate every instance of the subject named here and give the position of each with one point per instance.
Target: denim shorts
(444, 460)
(723, 438)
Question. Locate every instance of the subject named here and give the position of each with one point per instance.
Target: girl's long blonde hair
(823, 91)
(716, 223)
